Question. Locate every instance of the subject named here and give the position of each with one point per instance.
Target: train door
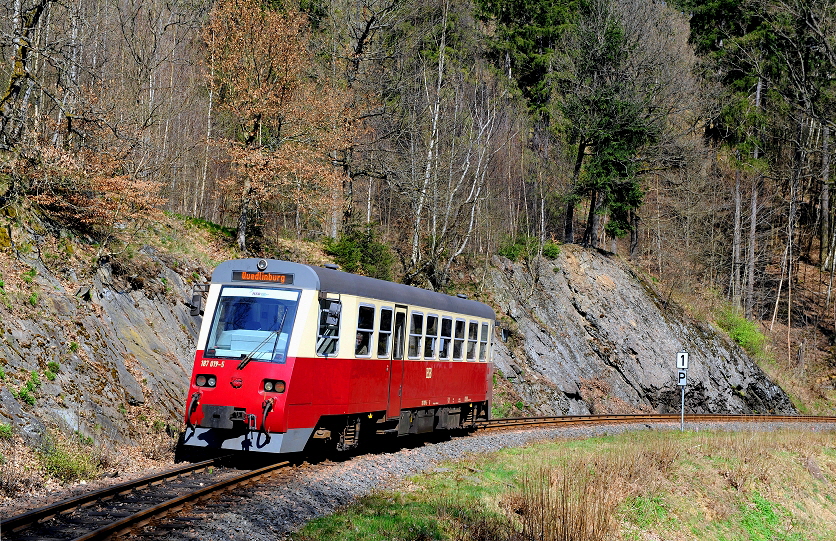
(396, 366)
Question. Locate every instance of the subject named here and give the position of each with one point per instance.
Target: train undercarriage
(339, 433)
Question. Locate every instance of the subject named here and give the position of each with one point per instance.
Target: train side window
(472, 340)
(458, 341)
(384, 333)
(399, 331)
(328, 334)
(431, 336)
(416, 329)
(483, 342)
(446, 338)
(365, 330)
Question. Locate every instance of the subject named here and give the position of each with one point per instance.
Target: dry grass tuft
(19, 474)
(563, 502)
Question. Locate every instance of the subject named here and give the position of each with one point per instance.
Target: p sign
(682, 378)
(682, 360)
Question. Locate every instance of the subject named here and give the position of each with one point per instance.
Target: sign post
(682, 376)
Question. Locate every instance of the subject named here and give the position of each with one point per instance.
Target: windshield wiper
(249, 356)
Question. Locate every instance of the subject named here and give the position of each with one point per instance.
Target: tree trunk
(14, 98)
(750, 256)
(634, 234)
(826, 231)
(569, 225)
(593, 221)
(735, 274)
(246, 195)
(416, 256)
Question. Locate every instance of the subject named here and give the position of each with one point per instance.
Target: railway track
(127, 507)
(119, 509)
(499, 424)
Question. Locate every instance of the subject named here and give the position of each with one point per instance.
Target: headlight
(274, 386)
(205, 380)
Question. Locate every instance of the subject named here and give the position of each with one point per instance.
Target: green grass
(66, 462)
(206, 225)
(645, 511)
(763, 520)
(744, 332)
(29, 275)
(633, 486)
(379, 518)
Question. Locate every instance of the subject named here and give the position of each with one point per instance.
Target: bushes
(358, 250)
(71, 459)
(526, 247)
(744, 332)
(26, 393)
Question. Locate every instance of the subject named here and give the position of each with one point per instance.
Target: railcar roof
(335, 281)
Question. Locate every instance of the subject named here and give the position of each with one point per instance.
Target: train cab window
(483, 343)
(253, 323)
(328, 334)
(431, 337)
(384, 333)
(472, 340)
(458, 341)
(365, 330)
(416, 329)
(446, 338)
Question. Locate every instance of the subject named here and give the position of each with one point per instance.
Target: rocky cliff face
(590, 336)
(587, 335)
(122, 340)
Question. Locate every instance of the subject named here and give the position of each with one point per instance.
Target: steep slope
(589, 335)
(121, 344)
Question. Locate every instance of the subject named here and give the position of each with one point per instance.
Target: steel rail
(496, 424)
(143, 517)
(23, 520)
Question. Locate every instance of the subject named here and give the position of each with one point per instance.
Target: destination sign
(244, 276)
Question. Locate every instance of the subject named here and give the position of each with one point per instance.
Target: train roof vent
(461, 295)
(332, 266)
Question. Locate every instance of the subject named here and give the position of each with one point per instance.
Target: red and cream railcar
(289, 354)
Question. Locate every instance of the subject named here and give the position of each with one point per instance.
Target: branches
(289, 120)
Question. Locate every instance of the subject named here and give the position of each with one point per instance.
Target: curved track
(119, 509)
(498, 424)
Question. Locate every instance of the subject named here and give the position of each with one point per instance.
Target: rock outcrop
(119, 348)
(587, 335)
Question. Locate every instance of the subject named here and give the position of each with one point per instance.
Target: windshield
(252, 322)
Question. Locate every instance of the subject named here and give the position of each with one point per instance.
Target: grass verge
(712, 486)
